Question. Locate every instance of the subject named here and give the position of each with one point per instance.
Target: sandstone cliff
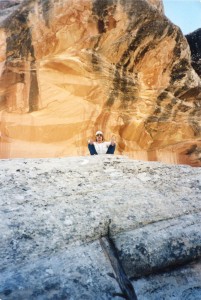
(71, 67)
(55, 211)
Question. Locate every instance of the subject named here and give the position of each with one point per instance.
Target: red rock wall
(69, 68)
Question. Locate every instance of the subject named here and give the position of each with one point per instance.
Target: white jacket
(101, 148)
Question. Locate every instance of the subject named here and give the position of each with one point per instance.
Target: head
(99, 137)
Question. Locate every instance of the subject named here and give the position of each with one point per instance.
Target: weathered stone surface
(7, 7)
(80, 272)
(53, 211)
(71, 67)
(160, 245)
(179, 284)
(194, 40)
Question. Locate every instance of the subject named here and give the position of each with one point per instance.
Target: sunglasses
(99, 135)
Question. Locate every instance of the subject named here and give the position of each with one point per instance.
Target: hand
(91, 141)
(113, 140)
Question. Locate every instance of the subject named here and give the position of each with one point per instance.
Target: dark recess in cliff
(194, 40)
(20, 48)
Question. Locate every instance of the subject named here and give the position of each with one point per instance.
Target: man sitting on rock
(100, 146)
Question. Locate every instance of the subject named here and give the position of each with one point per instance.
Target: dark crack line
(110, 251)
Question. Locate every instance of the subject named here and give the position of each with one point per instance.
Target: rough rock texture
(53, 212)
(71, 67)
(7, 7)
(194, 40)
(179, 284)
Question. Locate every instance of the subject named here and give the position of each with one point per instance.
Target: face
(99, 138)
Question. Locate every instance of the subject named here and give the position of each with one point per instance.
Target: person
(100, 146)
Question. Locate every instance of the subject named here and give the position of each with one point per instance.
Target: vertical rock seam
(121, 277)
(20, 56)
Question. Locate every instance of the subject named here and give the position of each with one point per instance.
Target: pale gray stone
(81, 272)
(53, 209)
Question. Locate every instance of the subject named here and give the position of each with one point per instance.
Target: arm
(113, 140)
(91, 147)
(111, 146)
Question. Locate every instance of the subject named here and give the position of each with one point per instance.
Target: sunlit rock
(71, 67)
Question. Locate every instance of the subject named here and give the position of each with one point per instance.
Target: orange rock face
(71, 67)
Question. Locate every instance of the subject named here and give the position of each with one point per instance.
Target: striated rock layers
(71, 67)
(55, 211)
(194, 40)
